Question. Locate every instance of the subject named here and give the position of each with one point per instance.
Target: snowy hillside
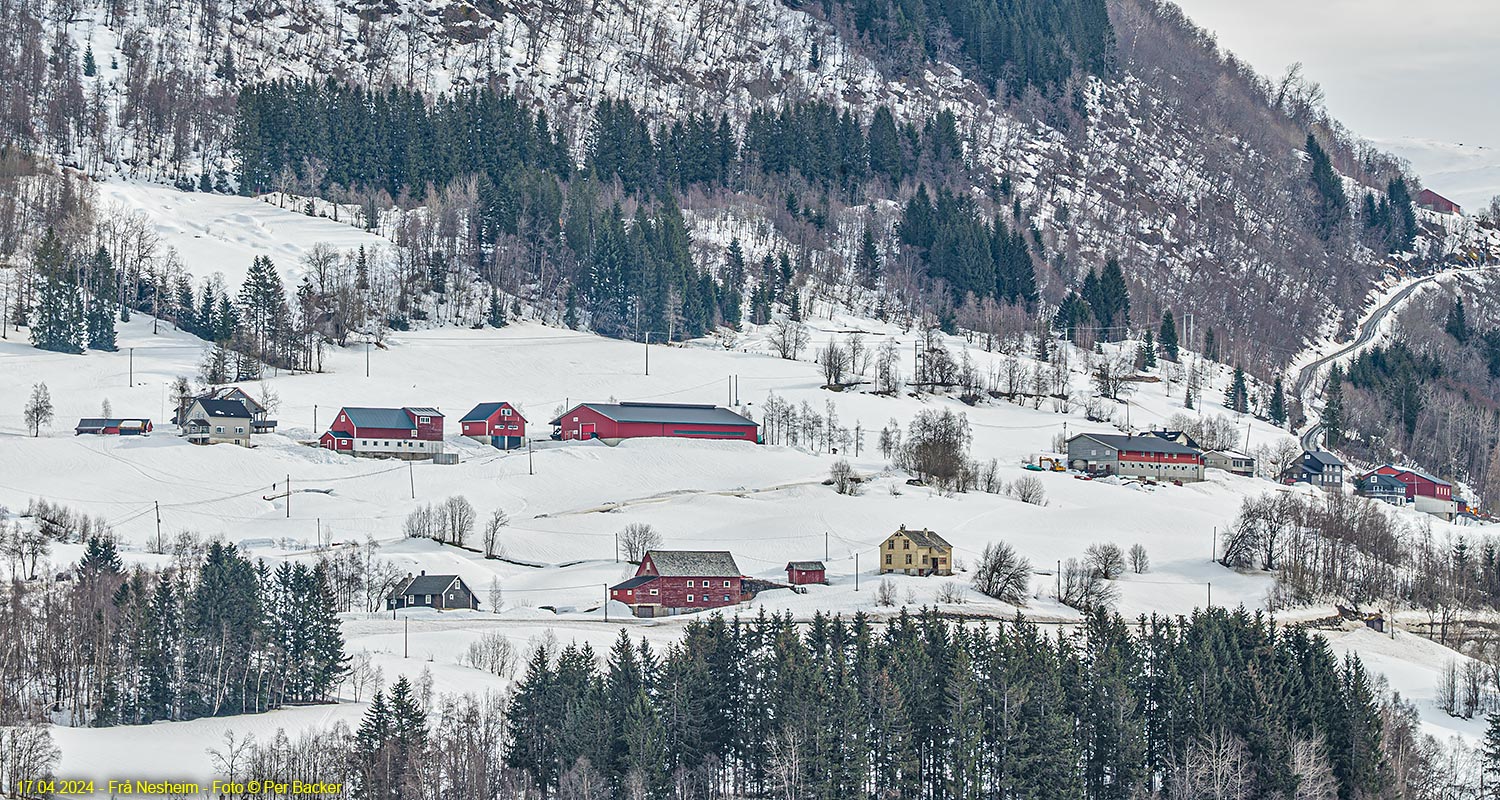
(766, 504)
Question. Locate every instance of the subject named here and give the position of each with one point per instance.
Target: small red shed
(613, 422)
(680, 581)
(799, 573)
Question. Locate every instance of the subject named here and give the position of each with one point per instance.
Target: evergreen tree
(1237, 394)
(1490, 750)
(1457, 324)
(1145, 354)
(57, 316)
(1277, 408)
(1332, 418)
(1166, 337)
(102, 299)
(100, 558)
(90, 66)
(1210, 345)
(1331, 205)
(867, 265)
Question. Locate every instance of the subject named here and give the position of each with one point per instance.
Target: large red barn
(679, 581)
(615, 421)
(408, 433)
(1425, 492)
(1432, 201)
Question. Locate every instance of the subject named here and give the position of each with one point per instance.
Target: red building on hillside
(1425, 492)
(496, 424)
(136, 426)
(615, 421)
(680, 581)
(406, 433)
(1432, 201)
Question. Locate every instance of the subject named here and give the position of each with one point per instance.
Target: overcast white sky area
(1417, 78)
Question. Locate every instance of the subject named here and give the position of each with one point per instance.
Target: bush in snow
(1139, 561)
(492, 653)
(1002, 574)
(885, 593)
(1029, 489)
(843, 477)
(951, 592)
(1106, 560)
(1084, 589)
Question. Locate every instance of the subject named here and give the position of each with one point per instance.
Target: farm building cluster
(1173, 456)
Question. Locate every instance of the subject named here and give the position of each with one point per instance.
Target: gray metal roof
(484, 411)
(1325, 458)
(694, 563)
(380, 418)
(424, 411)
(1375, 479)
(1421, 474)
(428, 584)
(639, 580)
(924, 537)
(683, 413)
(1139, 444)
(805, 565)
(223, 409)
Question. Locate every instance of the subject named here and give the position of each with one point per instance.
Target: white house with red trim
(412, 432)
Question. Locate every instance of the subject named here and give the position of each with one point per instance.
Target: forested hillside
(546, 151)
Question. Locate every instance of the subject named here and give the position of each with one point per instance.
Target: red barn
(1432, 201)
(1425, 492)
(681, 581)
(799, 573)
(406, 433)
(497, 424)
(1418, 483)
(615, 421)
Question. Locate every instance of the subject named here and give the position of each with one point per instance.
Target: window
(363, 442)
(414, 433)
(726, 598)
(908, 558)
(239, 429)
(887, 558)
(653, 592)
(218, 429)
(726, 584)
(891, 545)
(905, 544)
(424, 420)
(429, 599)
(575, 419)
(690, 584)
(504, 412)
(690, 598)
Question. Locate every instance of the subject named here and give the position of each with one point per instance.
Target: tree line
(213, 635)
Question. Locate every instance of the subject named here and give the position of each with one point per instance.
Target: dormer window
(424, 420)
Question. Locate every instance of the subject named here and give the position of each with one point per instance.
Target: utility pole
(1213, 545)
(157, 503)
(1059, 580)
(288, 496)
(315, 418)
(617, 548)
(530, 464)
(731, 391)
(406, 638)
(1210, 595)
(606, 602)
(132, 366)
(367, 357)
(856, 572)
(825, 545)
(648, 352)
(412, 477)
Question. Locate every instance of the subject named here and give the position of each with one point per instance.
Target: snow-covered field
(766, 504)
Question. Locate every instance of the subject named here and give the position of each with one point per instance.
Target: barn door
(586, 430)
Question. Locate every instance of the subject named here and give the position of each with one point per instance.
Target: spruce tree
(1332, 418)
(1457, 324)
(57, 316)
(1490, 752)
(1277, 410)
(1237, 394)
(1146, 353)
(1166, 337)
(867, 265)
(102, 299)
(90, 66)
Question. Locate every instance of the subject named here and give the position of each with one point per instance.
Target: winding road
(1368, 330)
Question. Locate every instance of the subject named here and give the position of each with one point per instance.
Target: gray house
(1135, 456)
(432, 591)
(209, 421)
(1320, 468)
(1380, 487)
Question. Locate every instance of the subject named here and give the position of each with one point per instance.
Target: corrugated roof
(1421, 474)
(1385, 481)
(1325, 458)
(424, 411)
(694, 563)
(682, 413)
(380, 418)
(639, 580)
(805, 565)
(1140, 444)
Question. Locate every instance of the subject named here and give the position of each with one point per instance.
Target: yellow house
(916, 553)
